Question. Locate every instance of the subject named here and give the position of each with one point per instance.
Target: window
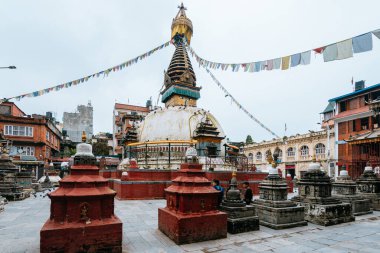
(320, 149)
(259, 156)
(22, 150)
(353, 124)
(18, 131)
(343, 106)
(364, 123)
(250, 157)
(291, 152)
(47, 136)
(304, 151)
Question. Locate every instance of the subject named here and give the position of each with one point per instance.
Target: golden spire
(84, 137)
(182, 25)
(314, 159)
(234, 173)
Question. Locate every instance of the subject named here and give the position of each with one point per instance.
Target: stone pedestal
(273, 207)
(8, 184)
(82, 215)
(368, 186)
(345, 190)
(241, 217)
(315, 195)
(191, 213)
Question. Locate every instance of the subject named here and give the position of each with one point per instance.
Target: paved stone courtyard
(21, 222)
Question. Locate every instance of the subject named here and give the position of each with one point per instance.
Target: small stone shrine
(191, 213)
(82, 215)
(8, 184)
(368, 186)
(46, 184)
(241, 217)
(344, 188)
(273, 208)
(315, 195)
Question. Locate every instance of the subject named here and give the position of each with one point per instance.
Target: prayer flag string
(335, 51)
(103, 73)
(227, 94)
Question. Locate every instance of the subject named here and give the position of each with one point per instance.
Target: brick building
(32, 136)
(356, 123)
(125, 119)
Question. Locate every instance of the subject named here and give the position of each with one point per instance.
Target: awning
(369, 137)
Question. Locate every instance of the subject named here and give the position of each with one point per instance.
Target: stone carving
(273, 207)
(241, 217)
(368, 186)
(320, 207)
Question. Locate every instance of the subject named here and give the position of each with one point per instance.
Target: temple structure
(82, 215)
(368, 185)
(273, 208)
(241, 217)
(9, 188)
(344, 188)
(191, 213)
(315, 195)
(160, 140)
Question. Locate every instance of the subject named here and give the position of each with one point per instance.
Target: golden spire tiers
(182, 24)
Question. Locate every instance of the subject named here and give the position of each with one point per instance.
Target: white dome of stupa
(174, 123)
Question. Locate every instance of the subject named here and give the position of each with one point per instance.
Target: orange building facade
(357, 129)
(31, 135)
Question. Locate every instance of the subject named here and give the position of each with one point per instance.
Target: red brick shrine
(191, 213)
(82, 215)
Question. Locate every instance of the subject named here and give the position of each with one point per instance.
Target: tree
(249, 139)
(100, 149)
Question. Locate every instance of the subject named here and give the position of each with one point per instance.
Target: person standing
(247, 193)
(216, 185)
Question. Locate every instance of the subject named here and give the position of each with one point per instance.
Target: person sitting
(216, 185)
(247, 193)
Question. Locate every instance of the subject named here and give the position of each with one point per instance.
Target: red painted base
(189, 228)
(98, 236)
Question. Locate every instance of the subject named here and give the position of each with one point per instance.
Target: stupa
(82, 215)
(273, 207)
(161, 139)
(368, 185)
(241, 217)
(9, 188)
(315, 195)
(191, 213)
(344, 188)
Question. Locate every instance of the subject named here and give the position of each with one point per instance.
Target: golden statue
(84, 137)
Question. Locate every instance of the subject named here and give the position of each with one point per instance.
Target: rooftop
(355, 93)
(22, 220)
(131, 107)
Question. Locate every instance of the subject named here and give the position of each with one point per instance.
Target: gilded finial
(274, 164)
(234, 173)
(314, 159)
(84, 137)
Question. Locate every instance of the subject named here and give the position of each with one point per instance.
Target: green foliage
(100, 149)
(249, 140)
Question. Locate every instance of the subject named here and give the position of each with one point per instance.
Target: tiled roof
(355, 93)
(352, 112)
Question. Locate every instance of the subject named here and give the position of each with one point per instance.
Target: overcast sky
(52, 42)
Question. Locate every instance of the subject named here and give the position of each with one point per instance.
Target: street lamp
(9, 67)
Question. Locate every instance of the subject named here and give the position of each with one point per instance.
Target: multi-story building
(125, 118)
(31, 135)
(355, 118)
(76, 122)
(294, 153)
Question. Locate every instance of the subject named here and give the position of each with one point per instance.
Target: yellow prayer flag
(285, 62)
